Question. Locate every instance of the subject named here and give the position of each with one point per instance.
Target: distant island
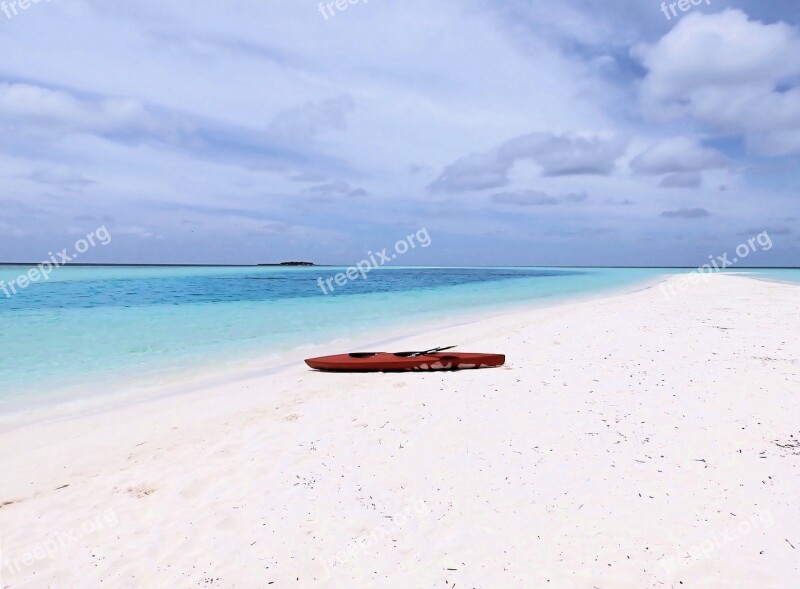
(290, 264)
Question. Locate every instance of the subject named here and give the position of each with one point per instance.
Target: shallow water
(87, 324)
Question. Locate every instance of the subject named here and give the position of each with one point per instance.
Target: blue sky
(516, 132)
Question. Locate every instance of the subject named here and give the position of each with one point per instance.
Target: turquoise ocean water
(100, 324)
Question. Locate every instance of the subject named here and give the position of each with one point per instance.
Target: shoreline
(628, 442)
(185, 380)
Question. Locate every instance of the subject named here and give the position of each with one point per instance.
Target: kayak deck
(404, 361)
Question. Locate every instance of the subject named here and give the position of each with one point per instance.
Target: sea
(97, 329)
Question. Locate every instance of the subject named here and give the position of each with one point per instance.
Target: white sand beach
(631, 441)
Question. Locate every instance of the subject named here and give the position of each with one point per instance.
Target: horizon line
(290, 266)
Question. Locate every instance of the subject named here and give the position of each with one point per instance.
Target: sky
(516, 132)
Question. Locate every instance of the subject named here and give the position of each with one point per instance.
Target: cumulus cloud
(564, 155)
(729, 73)
(556, 155)
(686, 214)
(477, 171)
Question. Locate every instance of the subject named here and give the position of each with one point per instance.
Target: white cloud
(682, 180)
(729, 73)
(556, 155)
(57, 109)
(677, 155)
(304, 123)
(221, 106)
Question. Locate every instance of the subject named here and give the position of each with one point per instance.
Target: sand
(637, 440)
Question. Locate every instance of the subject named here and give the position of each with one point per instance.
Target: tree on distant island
(290, 264)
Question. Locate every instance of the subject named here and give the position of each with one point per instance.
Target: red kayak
(402, 361)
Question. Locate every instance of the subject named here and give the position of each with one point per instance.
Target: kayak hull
(386, 362)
